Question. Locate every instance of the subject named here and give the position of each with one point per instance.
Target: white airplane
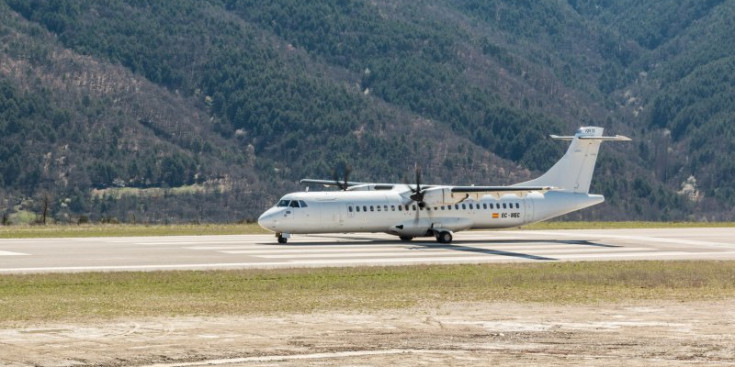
(415, 210)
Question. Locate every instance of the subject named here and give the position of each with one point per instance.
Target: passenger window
(414, 207)
(504, 207)
(484, 205)
(456, 206)
(364, 208)
(372, 209)
(464, 207)
(392, 208)
(518, 206)
(358, 208)
(349, 208)
(378, 207)
(385, 207)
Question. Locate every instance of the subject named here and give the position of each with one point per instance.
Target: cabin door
(528, 206)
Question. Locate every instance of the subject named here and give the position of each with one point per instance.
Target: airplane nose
(267, 220)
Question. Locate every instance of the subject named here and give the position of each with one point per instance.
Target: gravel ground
(664, 333)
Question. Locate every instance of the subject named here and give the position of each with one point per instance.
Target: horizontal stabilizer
(601, 138)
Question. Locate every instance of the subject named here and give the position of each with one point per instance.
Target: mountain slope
(239, 99)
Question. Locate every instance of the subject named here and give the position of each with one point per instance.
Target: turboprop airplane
(416, 210)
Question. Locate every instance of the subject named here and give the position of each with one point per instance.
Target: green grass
(45, 297)
(126, 230)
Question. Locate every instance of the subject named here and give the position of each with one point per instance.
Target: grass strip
(46, 297)
(127, 230)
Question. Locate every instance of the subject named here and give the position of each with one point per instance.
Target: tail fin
(573, 172)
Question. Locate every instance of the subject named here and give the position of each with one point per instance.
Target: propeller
(343, 185)
(418, 193)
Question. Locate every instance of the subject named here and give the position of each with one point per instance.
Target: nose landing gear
(283, 237)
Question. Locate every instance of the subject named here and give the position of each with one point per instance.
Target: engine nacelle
(441, 196)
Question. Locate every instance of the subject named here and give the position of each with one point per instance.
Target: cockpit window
(294, 203)
(303, 204)
(283, 203)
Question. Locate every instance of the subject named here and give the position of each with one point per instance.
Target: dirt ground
(478, 334)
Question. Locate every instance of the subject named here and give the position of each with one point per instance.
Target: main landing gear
(443, 237)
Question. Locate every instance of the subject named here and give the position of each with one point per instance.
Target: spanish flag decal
(496, 215)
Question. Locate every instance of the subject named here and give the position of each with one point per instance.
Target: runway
(262, 252)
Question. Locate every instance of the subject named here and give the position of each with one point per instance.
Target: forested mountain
(209, 110)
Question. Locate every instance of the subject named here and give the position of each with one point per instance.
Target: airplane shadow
(456, 245)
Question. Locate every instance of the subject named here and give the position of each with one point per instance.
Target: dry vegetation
(49, 297)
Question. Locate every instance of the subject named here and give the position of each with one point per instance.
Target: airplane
(416, 210)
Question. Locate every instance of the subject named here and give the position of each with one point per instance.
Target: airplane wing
(476, 192)
(330, 182)
(349, 184)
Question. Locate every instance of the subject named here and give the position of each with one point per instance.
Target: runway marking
(11, 253)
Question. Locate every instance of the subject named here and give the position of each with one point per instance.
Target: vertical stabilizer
(573, 172)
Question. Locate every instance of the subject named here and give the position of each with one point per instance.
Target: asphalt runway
(262, 252)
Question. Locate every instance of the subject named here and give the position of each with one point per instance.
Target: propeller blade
(344, 183)
(418, 193)
(348, 170)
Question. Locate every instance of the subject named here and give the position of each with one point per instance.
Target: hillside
(209, 110)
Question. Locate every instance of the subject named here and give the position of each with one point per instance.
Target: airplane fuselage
(389, 211)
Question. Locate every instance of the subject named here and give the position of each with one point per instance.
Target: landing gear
(282, 237)
(405, 238)
(444, 237)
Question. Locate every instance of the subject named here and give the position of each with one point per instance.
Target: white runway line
(11, 253)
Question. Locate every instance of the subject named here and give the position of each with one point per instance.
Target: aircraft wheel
(282, 239)
(405, 238)
(444, 237)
